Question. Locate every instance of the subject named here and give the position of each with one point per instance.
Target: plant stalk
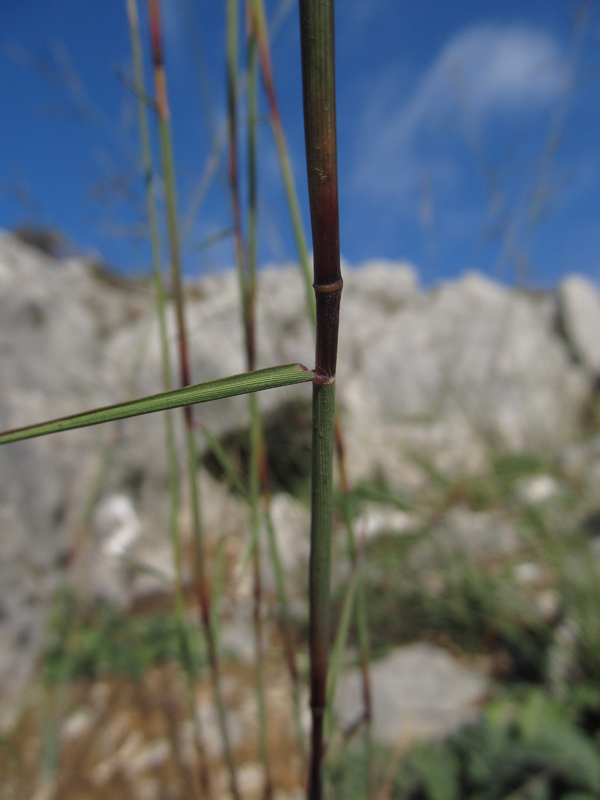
(319, 571)
(247, 293)
(173, 466)
(256, 437)
(203, 594)
(288, 638)
(298, 227)
(341, 637)
(232, 100)
(361, 608)
(361, 625)
(262, 33)
(318, 80)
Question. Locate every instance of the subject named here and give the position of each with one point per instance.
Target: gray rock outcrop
(477, 350)
(579, 310)
(434, 375)
(53, 324)
(418, 692)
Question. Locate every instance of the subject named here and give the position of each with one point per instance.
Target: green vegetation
(539, 734)
(92, 640)
(528, 745)
(455, 602)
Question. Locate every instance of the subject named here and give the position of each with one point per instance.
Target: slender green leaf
(270, 378)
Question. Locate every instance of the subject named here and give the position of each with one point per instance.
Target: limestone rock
(418, 692)
(535, 490)
(480, 536)
(579, 306)
(380, 518)
(427, 379)
(51, 354)
(482, 350)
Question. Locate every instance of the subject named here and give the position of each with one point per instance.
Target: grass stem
(232, 101)
(256, 437)
(177, 288)
(318, 80)
(285, 163)
(288, 638)
(300, 237)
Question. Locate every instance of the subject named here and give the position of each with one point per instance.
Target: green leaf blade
(258, 381)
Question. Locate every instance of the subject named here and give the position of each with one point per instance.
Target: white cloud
(485, 72)
(357, 15)
(502, 69)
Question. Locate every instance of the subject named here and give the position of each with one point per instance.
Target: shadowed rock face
(438, 373)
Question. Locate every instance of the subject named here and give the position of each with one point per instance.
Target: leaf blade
(245, 383)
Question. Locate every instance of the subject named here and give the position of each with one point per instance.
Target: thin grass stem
(209, 171)
(232, 101)
(361, 608)
(50, 725)
(173, 466)
(235, 482)
(318, 80)
(211, 240)
(288, 638)
(300, 237)
(202, 589)
(258, 455)
(285, 163)
(362, 625)
(256, 438)
(341, 637)
(217, 591)
(320, 572)
(168, 168)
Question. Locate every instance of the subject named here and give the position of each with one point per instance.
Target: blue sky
(468, 132)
